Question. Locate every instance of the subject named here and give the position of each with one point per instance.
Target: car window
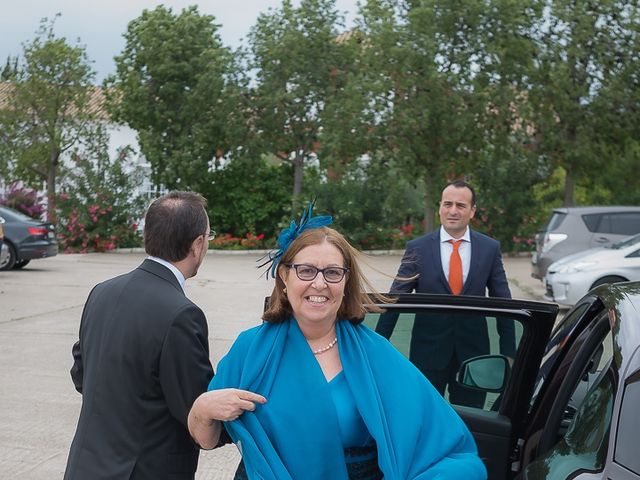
(592, 221)
(437, 341)
(584, 446)
(555, 221)
(620, 223)
(555, 346)
(626, 452)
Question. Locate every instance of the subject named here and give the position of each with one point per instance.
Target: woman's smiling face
(315, 301)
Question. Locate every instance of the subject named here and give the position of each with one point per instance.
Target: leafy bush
(98, 209)
(373, 206)
(249, 197)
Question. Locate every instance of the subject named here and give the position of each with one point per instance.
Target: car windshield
(626, 242)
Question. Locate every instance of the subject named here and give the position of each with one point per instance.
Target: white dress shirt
(464, 250)
(171, 267)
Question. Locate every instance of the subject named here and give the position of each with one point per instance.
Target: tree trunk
(298, 177)
(569, 187)
(51, 187)
(429, 213)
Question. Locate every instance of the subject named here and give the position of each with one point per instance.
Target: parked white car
(570, 278)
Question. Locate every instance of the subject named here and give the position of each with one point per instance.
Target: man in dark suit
(452, 260)
(143, 357)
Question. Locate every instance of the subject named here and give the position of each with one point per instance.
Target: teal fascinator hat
(289, 234)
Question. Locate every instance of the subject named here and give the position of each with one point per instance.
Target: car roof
(598, 209)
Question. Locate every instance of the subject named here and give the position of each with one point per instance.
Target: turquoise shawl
(295, 435)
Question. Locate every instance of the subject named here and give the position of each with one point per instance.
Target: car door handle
(602, 240)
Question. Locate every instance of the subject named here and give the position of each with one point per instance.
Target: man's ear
(196, 245)
(473, 211)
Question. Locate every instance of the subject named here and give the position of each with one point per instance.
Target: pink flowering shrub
(95, 227)
(97, 211)
(24, 199)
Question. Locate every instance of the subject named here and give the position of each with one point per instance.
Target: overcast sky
(100, 24)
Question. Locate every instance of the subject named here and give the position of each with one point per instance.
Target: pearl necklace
(327, 348)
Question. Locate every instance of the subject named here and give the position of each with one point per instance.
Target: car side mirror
(488, 373)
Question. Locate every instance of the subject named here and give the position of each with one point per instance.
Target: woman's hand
(217, 406)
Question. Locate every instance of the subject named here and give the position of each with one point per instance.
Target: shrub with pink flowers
(24, 199)
(97, 208)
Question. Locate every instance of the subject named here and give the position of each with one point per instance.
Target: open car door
(500, 343)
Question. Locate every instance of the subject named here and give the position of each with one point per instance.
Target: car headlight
(574, 267)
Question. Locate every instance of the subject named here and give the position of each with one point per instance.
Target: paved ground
(40, 310)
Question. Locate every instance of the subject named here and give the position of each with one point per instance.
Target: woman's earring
(284, 290)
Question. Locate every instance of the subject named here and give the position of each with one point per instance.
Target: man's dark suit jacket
(435, 340)
(141, 361)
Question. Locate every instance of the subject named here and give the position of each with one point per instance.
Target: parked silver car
(571, 277)
(575, 229)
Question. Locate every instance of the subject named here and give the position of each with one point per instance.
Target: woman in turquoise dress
(341, 401)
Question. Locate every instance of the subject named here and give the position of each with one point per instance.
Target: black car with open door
(566, 405)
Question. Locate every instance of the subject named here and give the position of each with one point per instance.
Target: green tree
(48, 109)
(299, 67)
(9, 70)
(508, 167)
(421, 61)
(173, 86)
(585, 87)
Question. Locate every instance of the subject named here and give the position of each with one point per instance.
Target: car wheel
(11, 258)
(608, 279)
(21, 264)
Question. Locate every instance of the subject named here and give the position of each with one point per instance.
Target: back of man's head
(172, 223)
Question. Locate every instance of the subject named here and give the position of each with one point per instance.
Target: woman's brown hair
(355, 296)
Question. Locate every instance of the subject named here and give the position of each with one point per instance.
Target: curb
(517, 254)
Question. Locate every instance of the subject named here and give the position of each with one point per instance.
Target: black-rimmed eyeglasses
(308, 273)
(211, 235)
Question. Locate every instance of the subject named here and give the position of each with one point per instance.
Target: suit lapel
(474, 263)
(436, 259)
(161, 271)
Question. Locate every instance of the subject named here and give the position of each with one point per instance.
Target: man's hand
(215, 406)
